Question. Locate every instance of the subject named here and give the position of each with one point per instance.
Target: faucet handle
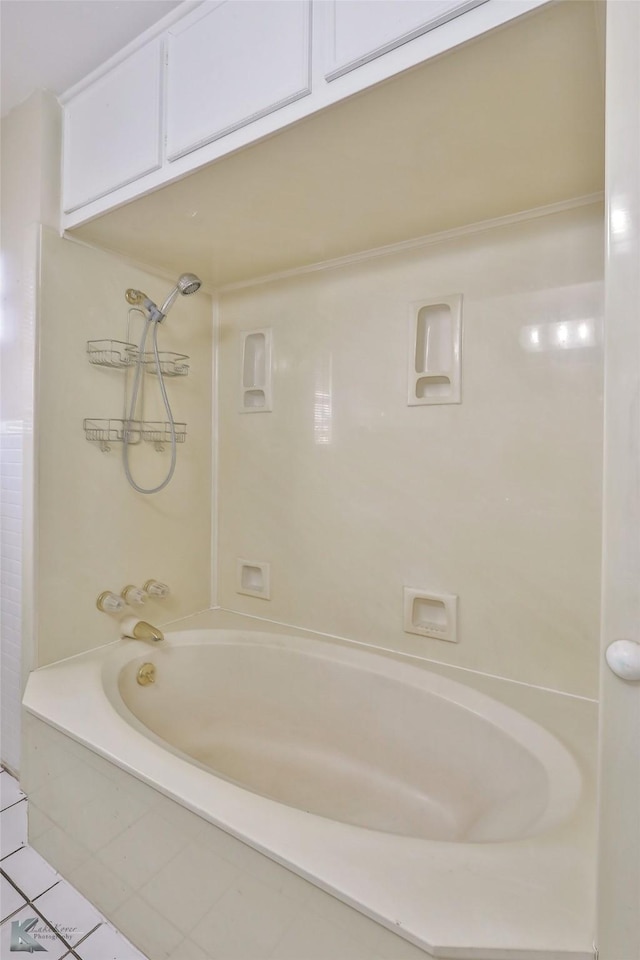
(134, 596)
(156, 589)
(109, 602)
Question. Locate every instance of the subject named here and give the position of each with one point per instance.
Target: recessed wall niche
(435, 342)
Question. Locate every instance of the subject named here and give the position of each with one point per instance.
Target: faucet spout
(140, 630)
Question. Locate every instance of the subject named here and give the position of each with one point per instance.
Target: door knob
(623, 656)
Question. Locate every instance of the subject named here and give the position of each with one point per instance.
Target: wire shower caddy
(123, 355)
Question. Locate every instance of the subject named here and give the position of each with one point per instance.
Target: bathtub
(435, 810)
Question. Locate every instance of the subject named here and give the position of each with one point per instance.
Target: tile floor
(39, 911)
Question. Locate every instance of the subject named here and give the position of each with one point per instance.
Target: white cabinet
(214, 76)
(112, 129)
(360, 31)
(230, 64)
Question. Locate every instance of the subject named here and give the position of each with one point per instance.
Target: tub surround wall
(350, 494)
(95, 531)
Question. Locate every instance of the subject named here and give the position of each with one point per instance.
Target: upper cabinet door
(232, 64)
(361, 31)
(112, 129)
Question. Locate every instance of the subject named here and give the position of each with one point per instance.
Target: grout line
(17, 910)
(82, 939)
(37, 908)
(13, 913)
(47, 890)
(30, 904)
(33, 905)
(49, 923)
(15, 802)
(11, 852)
(20, 891)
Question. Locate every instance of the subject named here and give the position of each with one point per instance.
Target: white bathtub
(441, 813)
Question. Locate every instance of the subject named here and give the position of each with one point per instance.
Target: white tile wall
(10, 587)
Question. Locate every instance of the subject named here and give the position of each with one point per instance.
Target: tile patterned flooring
(37, 906)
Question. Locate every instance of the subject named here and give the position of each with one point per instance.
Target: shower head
(187, 284)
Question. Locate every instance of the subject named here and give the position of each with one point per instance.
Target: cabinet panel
(112, 130)
(360, 32)
(237, 62)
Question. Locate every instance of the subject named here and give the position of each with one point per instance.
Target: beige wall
(95, 532)
(497, 500)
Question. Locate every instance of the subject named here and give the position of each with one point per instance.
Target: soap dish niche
(255, 375)
(431, 614)
(435, 346)
(253, 579)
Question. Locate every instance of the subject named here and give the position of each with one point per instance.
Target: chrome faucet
(140, 630)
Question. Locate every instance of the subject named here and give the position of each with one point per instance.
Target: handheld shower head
(187, 284)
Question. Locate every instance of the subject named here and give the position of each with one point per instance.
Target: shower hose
(132, 409)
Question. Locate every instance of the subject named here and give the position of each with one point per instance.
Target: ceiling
(52, 44)
(509, 122)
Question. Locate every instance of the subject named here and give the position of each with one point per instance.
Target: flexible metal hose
(134, 400)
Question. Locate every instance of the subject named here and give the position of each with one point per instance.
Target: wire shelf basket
(109, 431)
(111, 353)
(171, 364)
(124, 354)
(106, 432)
(158, 431)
